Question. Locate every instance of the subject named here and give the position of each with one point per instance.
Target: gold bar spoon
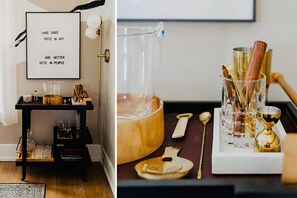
(204, 118)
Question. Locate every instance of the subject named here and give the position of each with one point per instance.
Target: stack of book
(71, 154)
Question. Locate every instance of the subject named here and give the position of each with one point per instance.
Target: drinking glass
(47, 151)
(68, 126)
(61, 125)
(39, 151)
(238, 113)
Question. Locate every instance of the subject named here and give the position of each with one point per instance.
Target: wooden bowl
(140, 137)
(52, 100)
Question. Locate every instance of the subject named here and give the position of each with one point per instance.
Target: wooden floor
(60, 181)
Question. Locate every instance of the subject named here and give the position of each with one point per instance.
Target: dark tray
(85, 157)
(37, 105)
(83, 138)
(129, 183)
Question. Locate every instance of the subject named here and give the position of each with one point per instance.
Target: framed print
(53, 45)
(200, 10)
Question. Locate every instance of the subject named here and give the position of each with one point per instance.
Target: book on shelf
(70, 157)
(71, 154)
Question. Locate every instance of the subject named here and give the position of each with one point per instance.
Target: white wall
(107, 94)
(43, 121)
(102, 130)
(194, 51)
(107, 106)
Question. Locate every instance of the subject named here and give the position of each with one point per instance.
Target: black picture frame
(53, 45)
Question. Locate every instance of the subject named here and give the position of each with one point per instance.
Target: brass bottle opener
(181, 125)
(167, 166)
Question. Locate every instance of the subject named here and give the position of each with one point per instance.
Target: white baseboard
(8, 152)
(109, 170)
(95, 152)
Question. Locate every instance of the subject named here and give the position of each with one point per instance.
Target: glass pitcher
(138, 59)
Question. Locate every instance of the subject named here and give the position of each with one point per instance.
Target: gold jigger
(241, 59)
(267, 140)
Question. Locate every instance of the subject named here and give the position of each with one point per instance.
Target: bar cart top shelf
(37, 105)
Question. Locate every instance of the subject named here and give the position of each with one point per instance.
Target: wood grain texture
(280, 79)
(254, 68)
(140, 137)
(60, 182)
(252, 74)
(289, 172)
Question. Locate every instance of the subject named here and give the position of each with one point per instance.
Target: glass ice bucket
(138, 59)
(52, 93)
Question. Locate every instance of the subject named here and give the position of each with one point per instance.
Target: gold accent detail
(106, 55)
(159, 168)
(267, 140)
(230, 71)
(241, 59)
(204, 118)
(184, 115)
(279, 78)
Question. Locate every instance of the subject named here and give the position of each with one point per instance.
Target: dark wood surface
(191, 145)
(27, 107)
(37, 105)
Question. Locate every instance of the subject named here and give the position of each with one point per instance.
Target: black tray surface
(37, 105)
(129, 181)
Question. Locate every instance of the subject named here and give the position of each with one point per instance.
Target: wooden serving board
(31, 159)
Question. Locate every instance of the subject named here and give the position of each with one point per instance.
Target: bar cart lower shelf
(76, 152)
(78, 143)
(65, 152)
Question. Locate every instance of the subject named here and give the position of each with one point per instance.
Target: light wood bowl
(52, 100)
(140, 137)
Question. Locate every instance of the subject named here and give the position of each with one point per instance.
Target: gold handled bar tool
(204, 118)
(181, 125)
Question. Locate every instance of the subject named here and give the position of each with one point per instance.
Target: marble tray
(227, 159)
